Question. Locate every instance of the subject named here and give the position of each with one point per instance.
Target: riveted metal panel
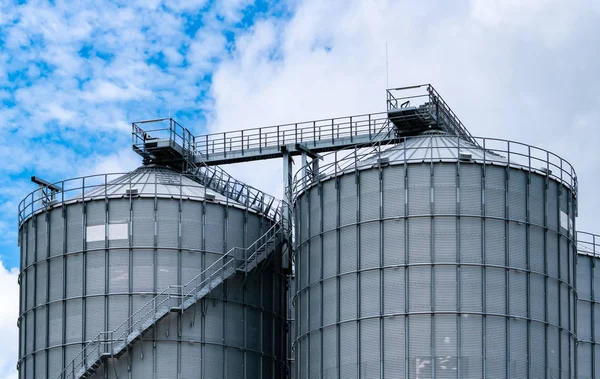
(29, 279)
(517, 195)
(348, 249)
(419, 290)
(393, 191)
(518, 348)
(393, 242)
(235, 228)
(330, 361)
(495, 249)
(118, 277)
(166, 273)
(444, 239)
(369, 245)
(495, 187)
(314, 259)
(393, 346)
(536, 199)
(517, 246)
(444, 283)
(552, 351)
(537, 296)
(40, 329)
(419, 240)
(234, 368)
(54, 362)
(552, 301)
(369, 293)
(30, 245)
(348, 353)
(518, 293)
(471, 347)
(584, 277)
(444, 189)
(419, 343)
(315, 354)
(56, 278)
(370, 354)
(419, 189)
(214, 227)
(369, 195)
(537, 253)
(118, 310)
(495, 338)
(471, 288)
(348, 297)
(537, 350)
(94, 318)
(470, 240)
(315, 212)
(330, 209)
(74, 274)
(95, 268)
(584, 320)
(143, 222)
(329, 254)
(166, 356)
(495, 292)
(315, 307)
(348, 196)
(445, 358)
(552, 205)
(167, 218)
(584, 360)
(214, 318)
(56, 232)
(393, 291)
(191, 224)
(74, 227)
(41, 273)
(55, 323)
(470, 189)
(143, 270)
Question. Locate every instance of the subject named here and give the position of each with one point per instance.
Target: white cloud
(503, 80)
(9, 312)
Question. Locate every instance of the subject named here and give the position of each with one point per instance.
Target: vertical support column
(287, 202)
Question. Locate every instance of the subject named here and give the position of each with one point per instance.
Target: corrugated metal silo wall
(73, 287)
(588, 316)
(438, 270)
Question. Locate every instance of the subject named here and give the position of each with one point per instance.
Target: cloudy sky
(73, 76)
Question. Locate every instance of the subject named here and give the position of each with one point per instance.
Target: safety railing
(303, 133)
(213, 177)
(489, 151)
(425, 98)
(120, 184)
(588, 244)
(181, 297)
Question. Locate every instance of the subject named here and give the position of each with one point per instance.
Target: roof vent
(465, 156)
(210, 196)
(131, 192)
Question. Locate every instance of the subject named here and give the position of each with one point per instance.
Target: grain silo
(149, 275)
(418, 251)
(441, 256)
(588, 305)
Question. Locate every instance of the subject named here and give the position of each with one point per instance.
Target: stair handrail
(93, 347)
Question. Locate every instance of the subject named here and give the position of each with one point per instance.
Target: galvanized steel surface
(428, 269)
(588, 305)
(88, 264)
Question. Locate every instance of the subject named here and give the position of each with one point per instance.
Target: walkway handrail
(104, 342)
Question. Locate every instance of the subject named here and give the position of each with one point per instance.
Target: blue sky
(73, 76)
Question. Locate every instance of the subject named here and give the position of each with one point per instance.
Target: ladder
(174, 298)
